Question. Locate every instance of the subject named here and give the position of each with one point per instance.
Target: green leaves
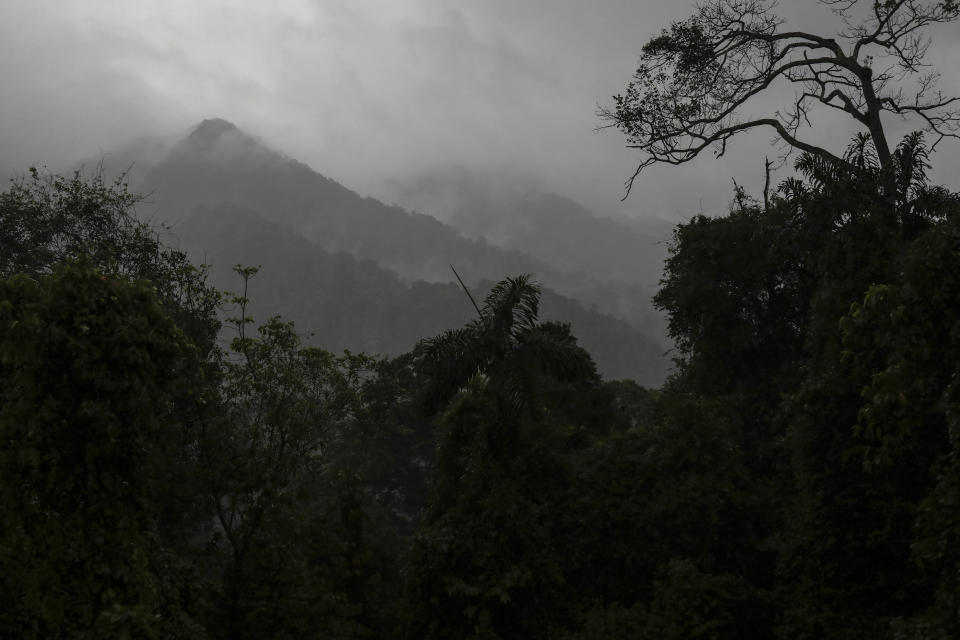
(89, 366)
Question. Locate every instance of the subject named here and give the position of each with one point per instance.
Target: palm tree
(506, 349)
(483, 564)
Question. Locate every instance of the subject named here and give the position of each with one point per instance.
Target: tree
(697, 78)
(46, 220)
(90, 367)
(507, 346)
(507, 387)
(894, 470)
(665, 528)
(265, 468)
(733, 289)
(747, 293)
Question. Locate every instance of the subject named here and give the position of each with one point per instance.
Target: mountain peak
(213, 126)
(209, 131)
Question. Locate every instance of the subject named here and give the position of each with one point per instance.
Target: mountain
(550, 227)
(611, 264)
(218, 162)
(357, 273)
(346, 303)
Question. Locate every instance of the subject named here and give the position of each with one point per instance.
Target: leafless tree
(696, 78)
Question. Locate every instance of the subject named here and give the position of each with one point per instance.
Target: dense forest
(796, 477)
(172, 466)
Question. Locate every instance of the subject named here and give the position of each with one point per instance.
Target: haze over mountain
(557, 230)
(218, 162)
(362, 275)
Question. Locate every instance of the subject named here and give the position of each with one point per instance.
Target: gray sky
(373, 92)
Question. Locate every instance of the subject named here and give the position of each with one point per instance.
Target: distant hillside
(358, 273)
(218, 162)
(614, 265)
(347, 303)
(552, 228)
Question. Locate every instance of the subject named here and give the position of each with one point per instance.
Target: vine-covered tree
(697, 79)
(90, 367)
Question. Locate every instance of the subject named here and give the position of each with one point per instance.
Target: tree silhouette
(696, 79)
(507, 346)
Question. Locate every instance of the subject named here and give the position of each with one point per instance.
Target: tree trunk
(888, 176)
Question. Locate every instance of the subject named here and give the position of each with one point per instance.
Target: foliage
(289, 540)
(734, 290)
(484, 564)
(46, 220)
(824, 320)
(663, 514)
(505, 345)
(904, 338)
(89, 367)
(796, 478)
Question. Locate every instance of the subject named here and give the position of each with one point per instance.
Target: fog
(375, 94)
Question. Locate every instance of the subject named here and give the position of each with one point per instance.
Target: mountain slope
(552, 228)
(218, 162)
(346, 303)
(222, 169)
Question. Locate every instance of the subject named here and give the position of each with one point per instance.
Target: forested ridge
(333, 259)
(796, 477)
(173, 465)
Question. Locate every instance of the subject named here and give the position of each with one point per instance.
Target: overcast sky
(373, 92)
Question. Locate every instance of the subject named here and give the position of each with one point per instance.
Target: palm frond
(556, 353)
(862, 153)
(511, 307)
(912, 160)
(448, 361)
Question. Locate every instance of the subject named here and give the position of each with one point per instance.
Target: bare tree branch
(696, 77)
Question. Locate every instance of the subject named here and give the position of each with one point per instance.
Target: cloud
(365, 91)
